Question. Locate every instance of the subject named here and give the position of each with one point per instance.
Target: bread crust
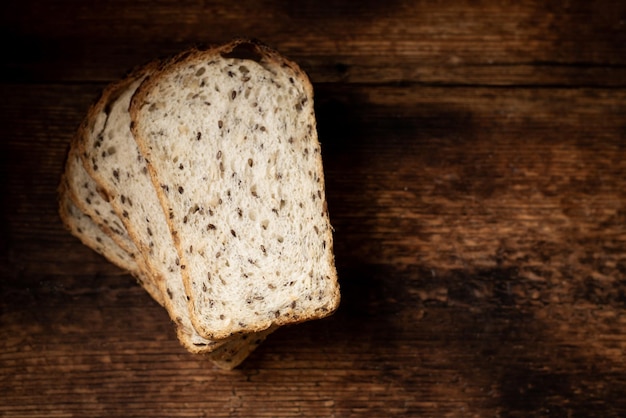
(266, 56)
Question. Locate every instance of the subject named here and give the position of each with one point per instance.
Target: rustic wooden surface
(475, 156)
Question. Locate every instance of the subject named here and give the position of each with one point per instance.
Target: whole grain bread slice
(230, 141)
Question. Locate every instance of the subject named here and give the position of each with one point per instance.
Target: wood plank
(455, 42)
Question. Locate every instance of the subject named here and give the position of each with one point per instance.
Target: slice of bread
(229, 135)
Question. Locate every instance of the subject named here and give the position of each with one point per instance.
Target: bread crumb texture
(232, 146)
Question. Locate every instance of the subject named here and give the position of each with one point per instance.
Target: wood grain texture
(475, 159)
(454, 42)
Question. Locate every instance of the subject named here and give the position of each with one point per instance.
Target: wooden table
(475, 156)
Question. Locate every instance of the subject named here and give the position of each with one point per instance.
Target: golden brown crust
(265, 56)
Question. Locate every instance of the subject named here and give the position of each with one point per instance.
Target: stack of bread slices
(201, 175)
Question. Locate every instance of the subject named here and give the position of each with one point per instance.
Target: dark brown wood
(475, 158)
(459, 42)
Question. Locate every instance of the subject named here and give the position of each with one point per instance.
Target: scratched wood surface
(475, 157)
